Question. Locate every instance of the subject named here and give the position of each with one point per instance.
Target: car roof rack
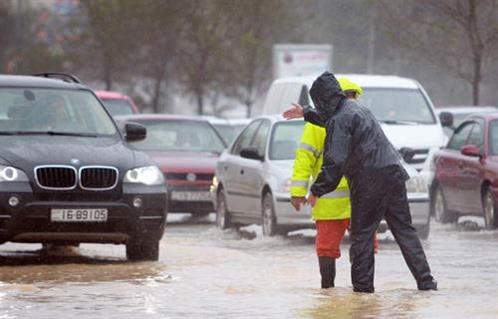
(61, 76)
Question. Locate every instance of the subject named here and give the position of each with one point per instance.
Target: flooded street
(204, 272)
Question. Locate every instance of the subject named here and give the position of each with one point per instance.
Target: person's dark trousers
(383, 194)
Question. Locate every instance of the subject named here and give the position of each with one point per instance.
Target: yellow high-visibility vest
(307, 166)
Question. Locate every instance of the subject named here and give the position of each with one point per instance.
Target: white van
(401, 105)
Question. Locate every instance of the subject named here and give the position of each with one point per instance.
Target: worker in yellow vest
(331, 211)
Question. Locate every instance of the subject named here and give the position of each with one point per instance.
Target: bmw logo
(191, 177)
(75, 161)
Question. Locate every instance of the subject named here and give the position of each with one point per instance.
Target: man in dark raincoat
(356, 147)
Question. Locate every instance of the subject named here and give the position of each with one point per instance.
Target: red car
(186, 150)
(117, 103)
(466, 172)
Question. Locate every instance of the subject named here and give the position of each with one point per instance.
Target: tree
(460, 36)
(111, 35)
(201, 52)
(160, 28)
(254, 27)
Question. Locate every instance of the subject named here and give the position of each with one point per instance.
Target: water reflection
(66, 264)
(343, 303)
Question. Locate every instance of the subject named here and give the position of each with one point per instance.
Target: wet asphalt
(204, 272)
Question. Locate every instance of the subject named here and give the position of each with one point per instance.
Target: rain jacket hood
(326, 94)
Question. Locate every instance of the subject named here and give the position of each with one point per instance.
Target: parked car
(252, 182)
(117, 103)
(401, 105)
(466, 172)
(461, 112)
(186, 150)
(227, 128)
(67, 175)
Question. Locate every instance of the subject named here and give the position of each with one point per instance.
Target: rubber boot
(427, 285)
(327, 271)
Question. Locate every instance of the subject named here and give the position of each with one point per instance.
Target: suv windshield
(52, 111)
(179, 135)
(118, 107)
(285, 139)
(398, 106)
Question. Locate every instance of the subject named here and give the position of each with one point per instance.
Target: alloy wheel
(268, 216)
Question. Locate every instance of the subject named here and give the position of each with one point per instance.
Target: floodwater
(207, 273)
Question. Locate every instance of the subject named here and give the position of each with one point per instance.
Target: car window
(272, 102)
(459, 138)
(285, 139)
(493, 137)
(228, 132)
(245, 138)
(118, 107)
(476, 136)
(179, 136)
(304, 97)
(398, 105)
(291, 95)
(54, 110)
(261, 137)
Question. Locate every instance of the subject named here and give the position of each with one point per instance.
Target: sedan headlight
(148, 175)
(12, 174)
(416, 184)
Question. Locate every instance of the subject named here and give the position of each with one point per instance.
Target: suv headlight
(12, 174)
(416, 184)
(148, 175)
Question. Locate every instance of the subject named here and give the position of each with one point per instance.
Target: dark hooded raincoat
(356, 147)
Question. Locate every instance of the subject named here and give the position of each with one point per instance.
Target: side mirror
(446, 119)
(134, 132)
(251, 153)
(471, 150)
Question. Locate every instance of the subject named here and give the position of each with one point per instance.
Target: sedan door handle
(225, 167)
(241, 172)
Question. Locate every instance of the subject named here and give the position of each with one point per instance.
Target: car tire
(489, 209)
(222, 213)
(143, 250)
(268, 219)
(441, 212)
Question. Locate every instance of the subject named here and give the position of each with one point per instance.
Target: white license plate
(190, 196)
(79, 215)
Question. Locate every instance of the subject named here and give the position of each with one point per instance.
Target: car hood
(185, 161)
(415, 136)
(26, 152)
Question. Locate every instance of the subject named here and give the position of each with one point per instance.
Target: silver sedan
(252, 181)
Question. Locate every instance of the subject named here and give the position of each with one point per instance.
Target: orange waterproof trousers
(329, 234)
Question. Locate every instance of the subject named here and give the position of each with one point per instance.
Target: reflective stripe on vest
(299, 184)
(336, 194)
(310, 148)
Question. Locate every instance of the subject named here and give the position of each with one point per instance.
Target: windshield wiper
(395, 122)
(47, 133)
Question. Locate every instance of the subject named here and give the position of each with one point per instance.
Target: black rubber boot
(327, 271)
(427, 285)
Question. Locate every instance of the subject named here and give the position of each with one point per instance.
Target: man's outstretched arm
(309, 113)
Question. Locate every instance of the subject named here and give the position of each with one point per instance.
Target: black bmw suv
(66, 174)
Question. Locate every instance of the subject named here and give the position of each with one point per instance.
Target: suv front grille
(56, 177)
(98, 177)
